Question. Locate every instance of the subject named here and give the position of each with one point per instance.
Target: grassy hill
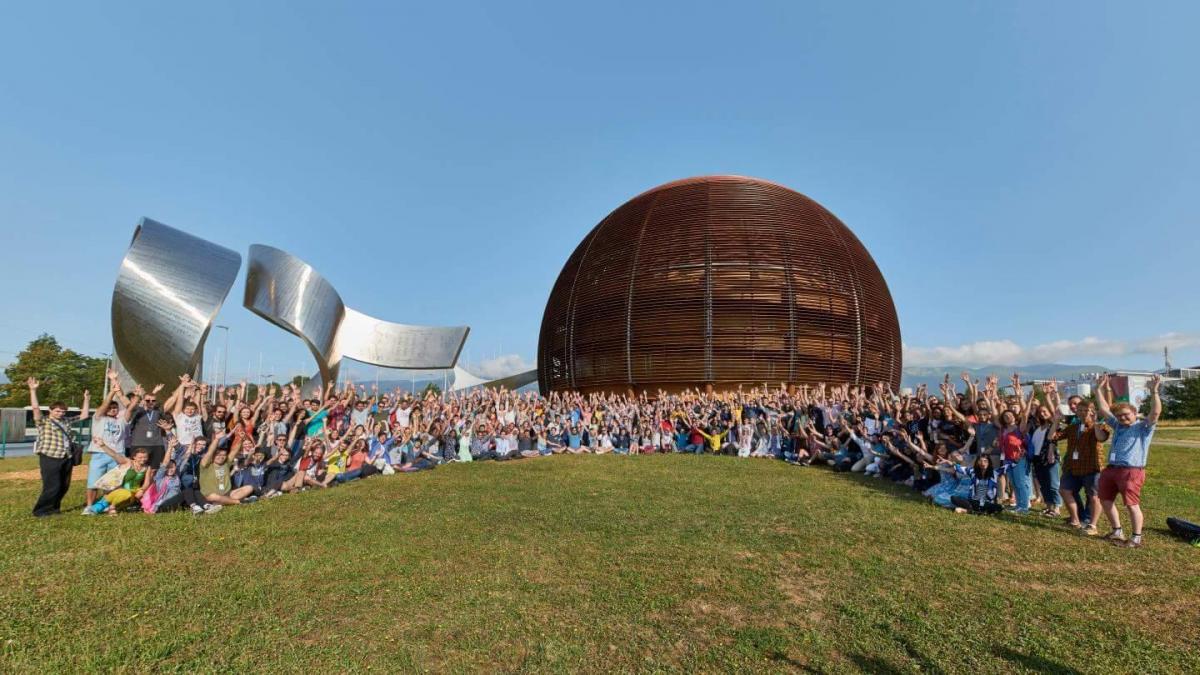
(597, 564)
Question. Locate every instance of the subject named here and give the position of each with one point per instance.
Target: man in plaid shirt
(53, 448)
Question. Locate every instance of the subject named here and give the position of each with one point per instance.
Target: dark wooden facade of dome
(721, 281)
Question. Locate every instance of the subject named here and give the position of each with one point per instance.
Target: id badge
(1112, 457)
(149, 434)
(1075, 455)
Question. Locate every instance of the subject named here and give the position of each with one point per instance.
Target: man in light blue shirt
(1126, 470)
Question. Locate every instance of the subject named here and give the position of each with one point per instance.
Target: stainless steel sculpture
(465, 380)
(169, 289)
(289, 293)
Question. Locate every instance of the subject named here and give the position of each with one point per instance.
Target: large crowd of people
(980, 450)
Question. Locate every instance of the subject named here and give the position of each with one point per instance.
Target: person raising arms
(1126, 470)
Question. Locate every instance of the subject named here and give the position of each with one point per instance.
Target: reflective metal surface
(466, 380)
(169, 289)
(289, 293)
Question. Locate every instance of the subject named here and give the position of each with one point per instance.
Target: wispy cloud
(1008, 352)
(500, 366)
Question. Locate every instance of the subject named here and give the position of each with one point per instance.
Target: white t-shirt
(402, 417)
(188, 428)
(111, 430)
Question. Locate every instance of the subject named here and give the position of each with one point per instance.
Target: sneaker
(197, 509)
(1114, 537)
(250, 500)
(1132, 543)
(1090, 530)
(212, 508)
(87, 512)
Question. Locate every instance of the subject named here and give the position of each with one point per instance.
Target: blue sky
(1024, 173)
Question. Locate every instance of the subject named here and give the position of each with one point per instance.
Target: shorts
(1089, 483)
(98, 465)
(1126, 480)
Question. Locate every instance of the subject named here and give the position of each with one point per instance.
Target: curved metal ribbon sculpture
(169, 289)
(289, 293)
(465, 380)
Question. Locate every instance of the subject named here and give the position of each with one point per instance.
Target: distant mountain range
(932, 376)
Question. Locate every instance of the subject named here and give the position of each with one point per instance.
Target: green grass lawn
(1178, 433)
(598, 563)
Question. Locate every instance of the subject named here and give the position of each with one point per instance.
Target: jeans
(697, 448)
(193, 497)
(56, 480)
(1047, 477)
(1022, 483)
(170, 503)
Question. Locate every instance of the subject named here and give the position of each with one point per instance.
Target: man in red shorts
(1126, 470)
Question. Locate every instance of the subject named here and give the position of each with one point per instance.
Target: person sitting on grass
(982, 495)
(357, 463)
(279, 471)
(252, 474)
(953, 481)
(216, 477)
(1126, 470)
(575, 444)
(131, 482)
(163, 493)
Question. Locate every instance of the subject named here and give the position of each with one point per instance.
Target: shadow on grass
(1038, 664)
(874, 664)
(901, 491)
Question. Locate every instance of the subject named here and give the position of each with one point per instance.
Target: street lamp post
(225, 364)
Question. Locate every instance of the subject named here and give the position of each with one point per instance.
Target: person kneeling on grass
(123, 484)
(982, 496)
(216, 478)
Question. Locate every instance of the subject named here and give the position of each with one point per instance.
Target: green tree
(431, 387)
(1181, 400)
(63, 373)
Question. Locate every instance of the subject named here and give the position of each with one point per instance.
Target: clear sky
(1024, 173)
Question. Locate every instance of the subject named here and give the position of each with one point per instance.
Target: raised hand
(1155, 383)
(138, 391)
(157, 388)
(33, 383)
